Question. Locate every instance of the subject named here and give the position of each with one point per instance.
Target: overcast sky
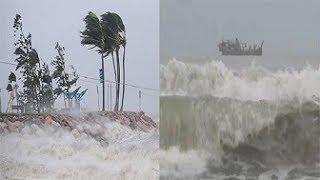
(192, 29)
(61, 21)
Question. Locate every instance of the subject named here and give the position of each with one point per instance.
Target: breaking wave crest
(253, 83)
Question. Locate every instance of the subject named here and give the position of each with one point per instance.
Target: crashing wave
(253, 83)
(36, 150)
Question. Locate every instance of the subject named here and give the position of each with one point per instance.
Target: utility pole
(101, 74)
(98, 98)
(0, 102)
(110, 96)
(139, 100)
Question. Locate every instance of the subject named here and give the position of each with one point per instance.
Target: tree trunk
(115, 77)
(37, 100)
(124, 76)
(40, 88)
(103, 84)
(114, 68)
(116, 107)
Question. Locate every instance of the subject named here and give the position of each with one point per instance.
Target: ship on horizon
(237, 48)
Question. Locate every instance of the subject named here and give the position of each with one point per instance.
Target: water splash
(253, 83)
(254, 123)
(55, 153)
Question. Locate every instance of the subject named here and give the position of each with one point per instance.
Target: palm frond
(92, 35)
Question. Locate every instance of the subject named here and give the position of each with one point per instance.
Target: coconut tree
(115, 38)
(123, 43)
(107, 36)
(93, 36)
(110, 43)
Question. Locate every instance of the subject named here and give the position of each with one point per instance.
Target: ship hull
(241, 53)
(235, 48)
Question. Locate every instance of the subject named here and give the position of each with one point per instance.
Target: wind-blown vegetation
(62, 78)
(107, 35)
(37, 89)
(40, 88)
(30, 67)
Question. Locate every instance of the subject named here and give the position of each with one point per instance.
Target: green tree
(62, 78)
(37, 88)
(11, 78)
(9, 87)
(48, 98)
(27, 60)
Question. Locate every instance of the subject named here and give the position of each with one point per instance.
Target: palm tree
(93, 36)
(124, 42)
(107, 35)
(115, 37)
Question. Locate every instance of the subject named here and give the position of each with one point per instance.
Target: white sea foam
(253, 83)
(55, 153)
(181, 165)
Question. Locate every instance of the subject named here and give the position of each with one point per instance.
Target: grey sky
(192, 29)
(61, 21)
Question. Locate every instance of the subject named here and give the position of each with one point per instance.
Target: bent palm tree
(93, 36)
(107, 35)
(123, 71)
(115, 38)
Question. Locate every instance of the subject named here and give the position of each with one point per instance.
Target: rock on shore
(90, 124)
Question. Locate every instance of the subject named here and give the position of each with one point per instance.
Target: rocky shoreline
(74, 122)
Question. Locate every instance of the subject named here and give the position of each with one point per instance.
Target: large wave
(253, 83)
(242, 124)
(238, 138)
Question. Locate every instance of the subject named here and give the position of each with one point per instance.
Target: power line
(95, 83)
(131, 85)
(3, 62)
(86, 77)
(147, 94)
